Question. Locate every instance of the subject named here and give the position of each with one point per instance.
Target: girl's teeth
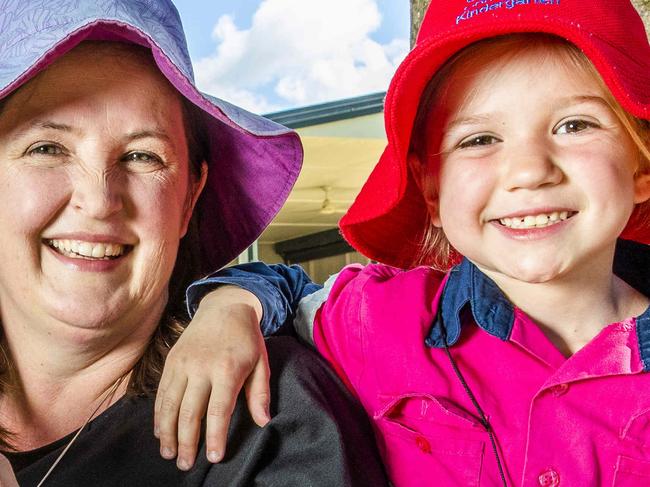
(88, 250)
(535, 221)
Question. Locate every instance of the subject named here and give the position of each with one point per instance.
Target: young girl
(508, 352)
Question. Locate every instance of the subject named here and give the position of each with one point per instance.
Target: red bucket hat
(389, 215)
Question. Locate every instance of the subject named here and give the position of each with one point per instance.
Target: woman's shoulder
(316, 421)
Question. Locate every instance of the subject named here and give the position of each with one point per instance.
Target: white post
(249, 255)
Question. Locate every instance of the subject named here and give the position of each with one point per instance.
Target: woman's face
(95, 191)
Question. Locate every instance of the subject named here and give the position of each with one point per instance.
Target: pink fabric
(581, 421)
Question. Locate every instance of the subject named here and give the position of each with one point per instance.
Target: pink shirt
(578, 421)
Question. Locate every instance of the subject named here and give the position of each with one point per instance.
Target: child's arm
(204, 371)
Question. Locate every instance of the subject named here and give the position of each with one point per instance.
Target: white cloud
(299, 52)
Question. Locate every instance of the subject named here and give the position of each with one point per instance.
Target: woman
(109, 175)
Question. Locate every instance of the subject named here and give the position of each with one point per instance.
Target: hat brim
(253, 162)
(389, 204)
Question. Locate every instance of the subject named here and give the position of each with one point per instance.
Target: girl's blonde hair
(435, 249)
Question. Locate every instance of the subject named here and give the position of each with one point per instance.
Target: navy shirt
(318, 436)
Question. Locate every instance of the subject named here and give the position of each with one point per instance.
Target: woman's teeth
(78, 249)
(536, 221)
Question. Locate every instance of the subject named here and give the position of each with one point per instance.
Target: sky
(272, 55)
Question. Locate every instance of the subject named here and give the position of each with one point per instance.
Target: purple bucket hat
(254, 162)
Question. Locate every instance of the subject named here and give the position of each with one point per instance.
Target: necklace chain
(108, 394)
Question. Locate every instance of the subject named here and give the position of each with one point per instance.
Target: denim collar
(468, 290)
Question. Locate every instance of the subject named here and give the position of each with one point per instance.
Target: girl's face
(537, 174)
(95, 192)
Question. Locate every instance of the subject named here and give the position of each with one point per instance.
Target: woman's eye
(143, 157)
(477, 141)
(574, 126)
(45, 150)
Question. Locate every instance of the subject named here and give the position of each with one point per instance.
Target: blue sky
(270, 55)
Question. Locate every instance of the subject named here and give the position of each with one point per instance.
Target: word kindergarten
(480, 7)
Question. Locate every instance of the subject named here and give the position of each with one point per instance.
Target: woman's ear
(427, 185)
(195, 190)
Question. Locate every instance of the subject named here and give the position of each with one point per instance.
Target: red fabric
(387, 218)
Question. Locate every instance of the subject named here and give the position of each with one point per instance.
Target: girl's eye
(574, 126)
(477, 141)
(45, 150)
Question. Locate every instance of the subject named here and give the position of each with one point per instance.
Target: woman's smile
(77, 249)
(88, 253)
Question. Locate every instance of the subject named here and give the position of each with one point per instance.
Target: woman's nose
(530, 166)
(98, 194)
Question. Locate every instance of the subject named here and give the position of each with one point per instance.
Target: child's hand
(221, 350)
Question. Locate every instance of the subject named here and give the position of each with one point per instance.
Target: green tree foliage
(643, 6)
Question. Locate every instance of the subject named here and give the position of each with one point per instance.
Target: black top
(318, 436)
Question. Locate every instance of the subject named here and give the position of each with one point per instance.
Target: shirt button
(560, 389)
(549, 478)
(423, 444)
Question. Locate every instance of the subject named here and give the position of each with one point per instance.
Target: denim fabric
(279, 288)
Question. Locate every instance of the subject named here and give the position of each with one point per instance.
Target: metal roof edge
(330, 111)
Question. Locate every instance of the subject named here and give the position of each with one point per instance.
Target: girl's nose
(530, 166)
(97, 194)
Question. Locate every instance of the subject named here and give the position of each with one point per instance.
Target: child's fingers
(165, 380)
(190, 415)
(258, 394)
(170, 404)
(225, 390)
